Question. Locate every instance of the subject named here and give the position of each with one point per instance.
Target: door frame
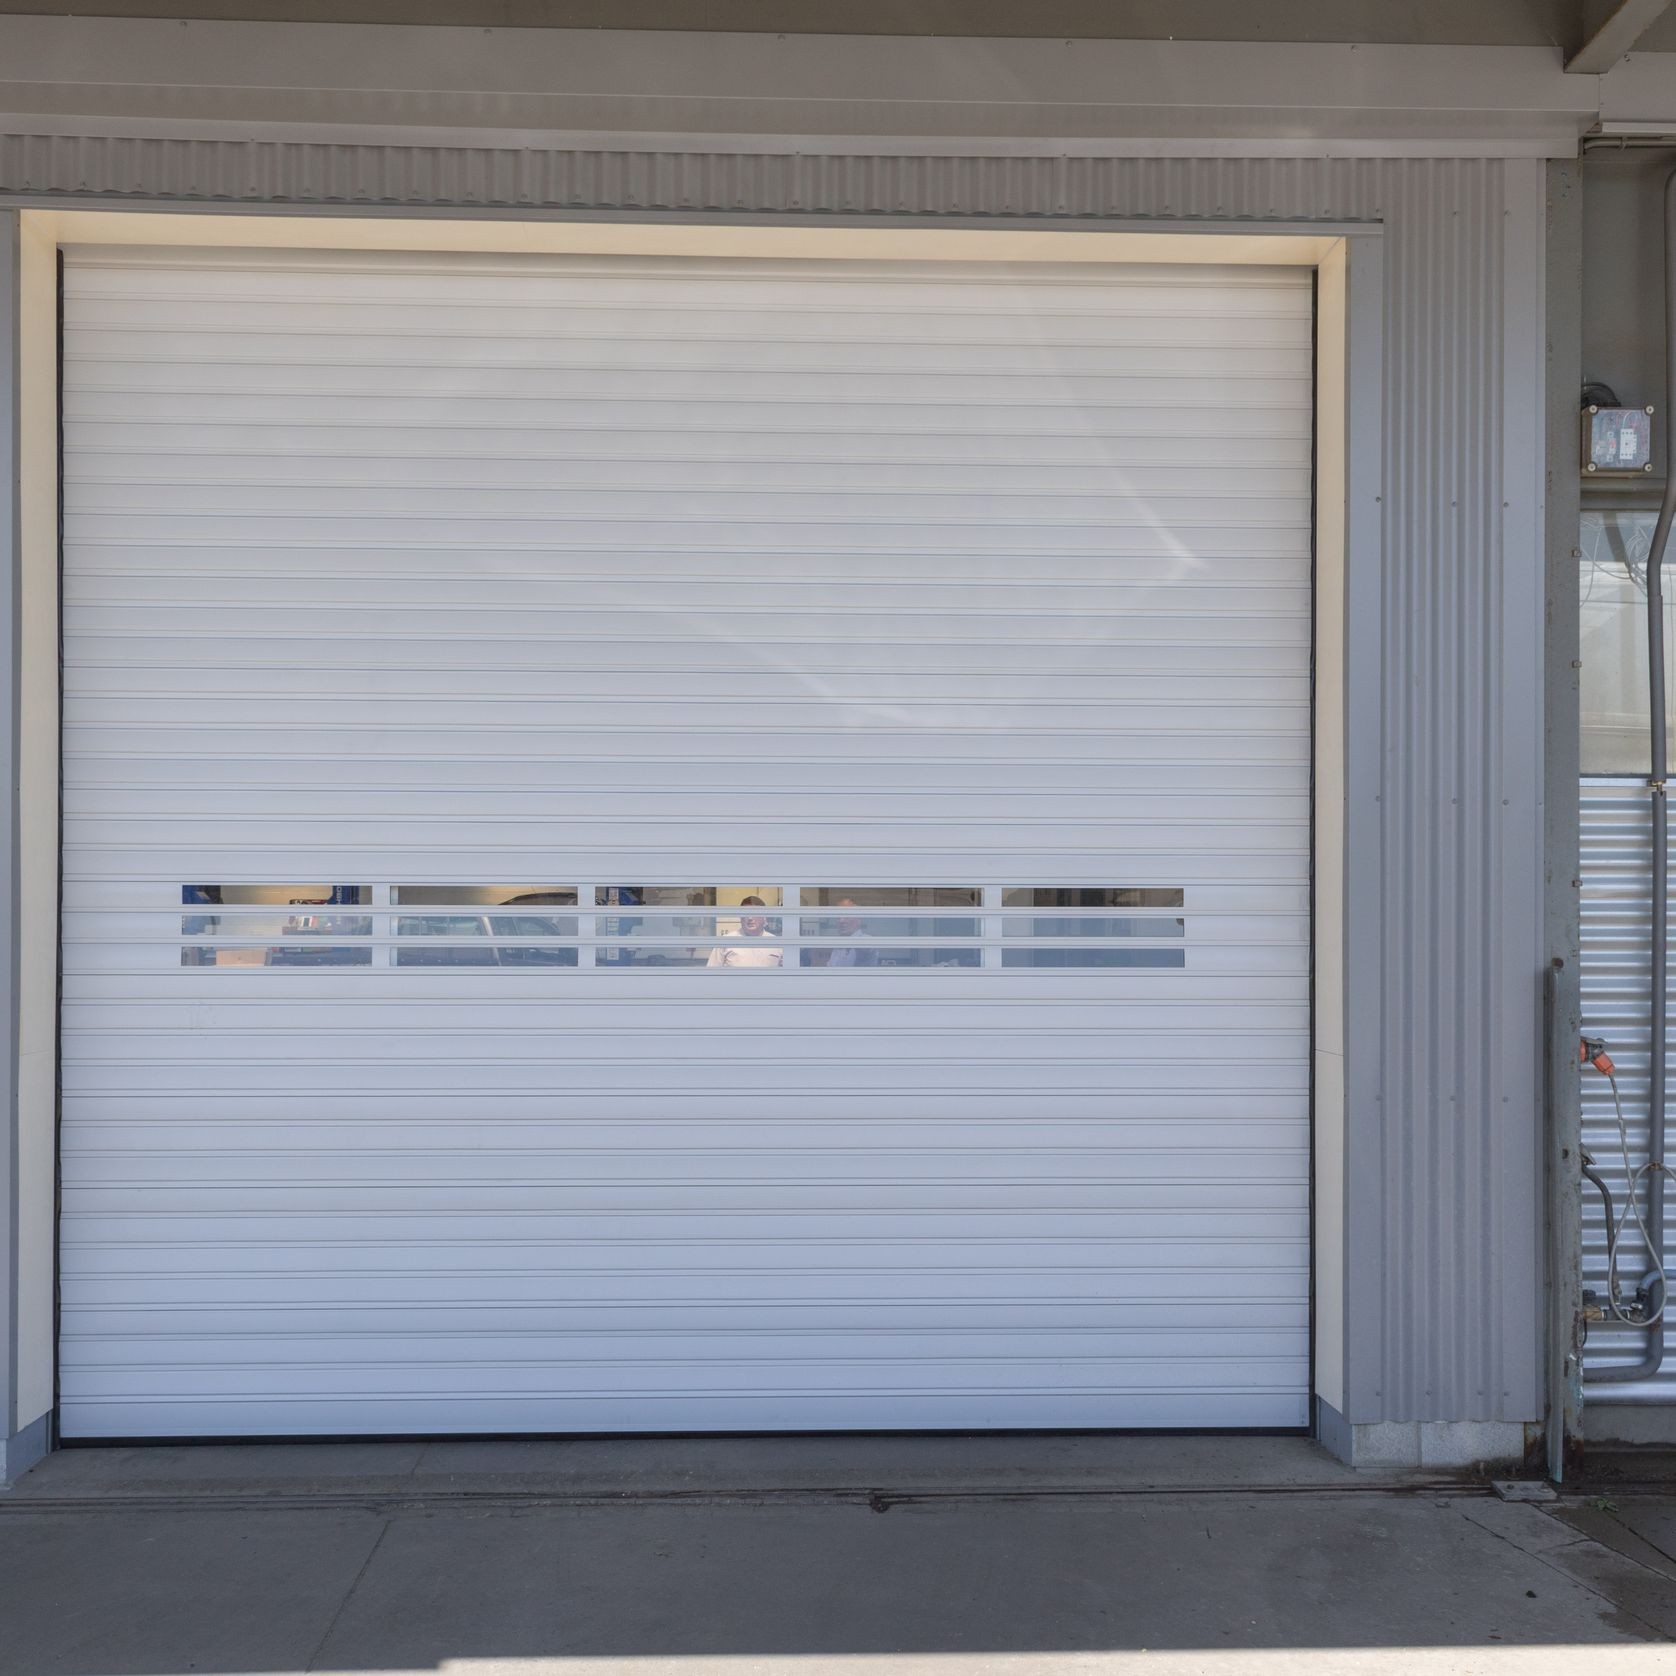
(1348, 261)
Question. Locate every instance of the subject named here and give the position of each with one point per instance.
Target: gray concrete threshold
(685, 1468)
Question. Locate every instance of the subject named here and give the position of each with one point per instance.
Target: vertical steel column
(11, 571)
(1561, 864)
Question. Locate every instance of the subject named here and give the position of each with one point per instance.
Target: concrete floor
(814, 1557)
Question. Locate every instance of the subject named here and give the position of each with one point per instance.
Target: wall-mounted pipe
(1652, 1284)
(1591, 1174)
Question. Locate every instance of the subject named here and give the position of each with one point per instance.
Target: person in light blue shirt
(849, 925)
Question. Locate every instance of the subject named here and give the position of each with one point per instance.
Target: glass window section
(485, 954)
(875, 926)
(859, 956)
(626, 956)
(276, 925)
(1096, 925)
(1612, 599)
(736, 928)
(483, 896)
(892, 896)
(1092, 896)
(531, 925)
(500, 939)
(684, 927)
(277, 896)
(282, 911)
(293, 954)
(442, 925)
(1093, 957)
(685, 896)
(484, 925)
(664, 926)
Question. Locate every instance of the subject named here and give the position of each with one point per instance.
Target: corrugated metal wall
(1463, 753)
(1617, 916)
(1444, 1123)
(270, 171)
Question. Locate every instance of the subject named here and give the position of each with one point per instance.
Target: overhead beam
(1616, 36)
(360, 84)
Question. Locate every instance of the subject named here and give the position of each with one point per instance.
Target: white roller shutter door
(450, 644)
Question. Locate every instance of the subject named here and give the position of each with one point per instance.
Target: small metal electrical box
(1617, 441)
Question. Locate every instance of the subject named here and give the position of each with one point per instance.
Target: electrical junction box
(1617, 441)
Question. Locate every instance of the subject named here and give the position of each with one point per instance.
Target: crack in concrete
(348, 1595)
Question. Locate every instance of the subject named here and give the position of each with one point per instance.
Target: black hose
(1590, 1173)
(1652, 1285)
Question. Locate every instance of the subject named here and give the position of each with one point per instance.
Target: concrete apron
(815, 1557)
(897, 1465)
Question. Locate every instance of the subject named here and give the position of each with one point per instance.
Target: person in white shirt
(753, 947)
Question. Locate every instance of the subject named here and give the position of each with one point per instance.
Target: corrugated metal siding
(1462, 872)
(1447, 1329)
(1617, 911)
(273, 171)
